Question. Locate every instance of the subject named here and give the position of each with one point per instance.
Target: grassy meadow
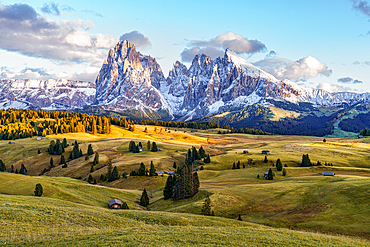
(302, 208)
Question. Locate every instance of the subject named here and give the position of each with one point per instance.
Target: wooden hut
(115, 204)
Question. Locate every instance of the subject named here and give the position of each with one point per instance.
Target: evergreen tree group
(270, 175)
(56, 147)
(306, 161)
(168, 188)
(76, 152)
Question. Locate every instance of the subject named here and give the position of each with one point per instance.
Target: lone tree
(38, 190)
(265, 160)
(270, 175)
(141, 171)
(124, 206)
(23, 170)
(90, 150)
(206, 209)
(96, 159)
(284, 172)
(2, 166)
(154, 147)
(144, 200)
(51, 163)
(240, 218)
(62, 159)
(207, 159)
(279, 165)
(152, 169)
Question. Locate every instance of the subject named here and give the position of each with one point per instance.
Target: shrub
(38, 190)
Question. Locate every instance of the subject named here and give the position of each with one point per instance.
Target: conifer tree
(90, 179)
(23, 170)
(206, 209)
(115, 174)
(12, 169)
(154, 147)
(51, 163)
(284, 172)
(141, 171)
(2, 166)
(90, 150)
(80, 153)
(86, 156)
(92, 169)
(238, 165)
(240, 218)
(305, 161)
(234, 166)
(96, 158)
(148, 145)
(279, 165)
(265, 160)
(270, 175)
(152, 169)
(38, 151)
(207, 159)
(62, 159)
(202, 153)
(38, 190)
(174, 165)
(64, 143)
(168, 188)
(124, 206)
(144, 200)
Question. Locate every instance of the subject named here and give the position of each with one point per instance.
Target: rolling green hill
(57, 220)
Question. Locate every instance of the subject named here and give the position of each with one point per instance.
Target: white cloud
(24, 31)
(215, 47)
(138, 39)
(300, 70)
(330, 87)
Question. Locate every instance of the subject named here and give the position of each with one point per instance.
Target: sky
(319, 44)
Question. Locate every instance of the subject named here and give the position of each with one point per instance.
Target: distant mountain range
(134, 84)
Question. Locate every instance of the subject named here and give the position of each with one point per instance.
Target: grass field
(58, 221)
(303, 200)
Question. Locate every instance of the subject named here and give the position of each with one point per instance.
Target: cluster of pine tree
(243, 131)
(307, 162)
(19, 123)
(188, 125)
(112, 173)
(57, 147)
(76, 152)
(142, 171)
(237, 165)
(365, 132)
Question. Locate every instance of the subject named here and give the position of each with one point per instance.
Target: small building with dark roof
(328, 174)
(115, 204)
(246, 151)
(159, 174)
(11, 142)
(265, 152)
(171, 173)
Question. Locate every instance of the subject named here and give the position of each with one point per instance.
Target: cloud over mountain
(300, 70)
(215, 47)
(139, 39)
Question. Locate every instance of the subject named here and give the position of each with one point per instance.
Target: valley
(301, 208)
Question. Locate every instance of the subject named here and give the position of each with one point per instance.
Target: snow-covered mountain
(130, 80)
(48, 95)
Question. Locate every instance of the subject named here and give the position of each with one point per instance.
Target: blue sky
(321, 44)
